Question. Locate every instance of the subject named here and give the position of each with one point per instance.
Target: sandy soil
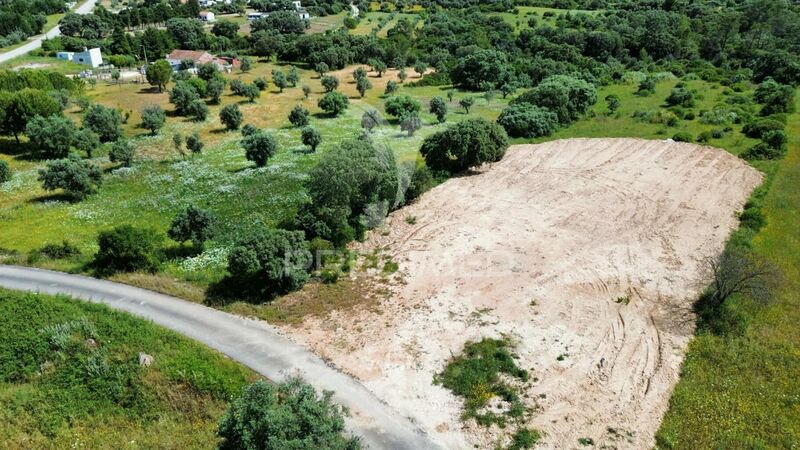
(539, 247)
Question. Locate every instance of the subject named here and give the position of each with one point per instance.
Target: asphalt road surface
(251, 342)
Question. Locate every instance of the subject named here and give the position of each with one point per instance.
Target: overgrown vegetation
(486, 371)
(70, 372)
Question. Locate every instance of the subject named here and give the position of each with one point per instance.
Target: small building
(90, 57)
(297, 5)
(304, 15)
(207, 16)
(199, 57)
(254, 16)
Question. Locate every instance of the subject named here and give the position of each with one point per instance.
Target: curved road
(253, 343)
(85, 8)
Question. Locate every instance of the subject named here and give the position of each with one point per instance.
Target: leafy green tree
(261, 83)
(402, 75)
(20, 107)
(159, 74)
(246, 64)
(466, 103)
(153, 118)
(287, 415)
(401, 106)
(86, 141)
(105, 122)
(359, 73)
(52, 135)
(321, 68)
(566, 96)
(283, 22)
(306, 91)
(333, 103)
(362, 85)
(480, 69)
(311, 137)
(465, 145)
(194, 144)
(420, 67)
(231, 116)
(330, 83)
(775, 97)
(347, 181)
(526, 120)
(380, 67)
(214, 89)
(78, 178)
(260, 147)
(613, 102)
(249, 129)
(293, 77)
(680, 97)
(391, 87)
(182, 96)
(371, 119)
(438, 107)
(128, 249)
(5, 172)
(410, 123)
(251, 92)
(122, 152)
(177, 142)
(192, 224)
(298, 117)
(268, 261)
(198, 110)
(225, 28)
(279, 79)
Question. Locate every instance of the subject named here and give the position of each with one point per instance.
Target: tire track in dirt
(540, 247)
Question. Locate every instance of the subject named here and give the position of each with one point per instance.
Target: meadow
(70, 377)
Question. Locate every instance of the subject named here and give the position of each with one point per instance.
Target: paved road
(37, 42)
(251, 342)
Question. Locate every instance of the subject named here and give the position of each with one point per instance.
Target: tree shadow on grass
(58, 197)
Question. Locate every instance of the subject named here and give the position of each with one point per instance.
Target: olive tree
(122, 152)
(333, 103)
(153, 118)
(438, 107)
(526, 120)
(298, 117)
(78, 178)
(192, 224)
(52, 135)
(311, 137)
(231, 116)
(259, 147)
(465, 145)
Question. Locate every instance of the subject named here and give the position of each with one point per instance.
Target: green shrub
(289, 414)
(128, 249)
(682, 136)
(465, 145)
(267, 262)
(527, 120)
(192, 224)
(5, 172)
(524, 438)
(568, 97)
(475, 376)
(756, 129)
(122, 152)
(421, 181)
(78, 178)
(65, 250)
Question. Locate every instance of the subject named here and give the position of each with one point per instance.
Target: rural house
(90, 57)
(199, 57)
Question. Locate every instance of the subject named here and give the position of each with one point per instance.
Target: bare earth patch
(587, 252)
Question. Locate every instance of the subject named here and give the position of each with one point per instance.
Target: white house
(254, 16)
(91, 57)
(303, 13)
(297, 4)
(207, 16)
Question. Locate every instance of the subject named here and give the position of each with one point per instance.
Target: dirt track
(539, 247)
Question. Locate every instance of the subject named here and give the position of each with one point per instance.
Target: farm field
(540, 248)
(70, 378)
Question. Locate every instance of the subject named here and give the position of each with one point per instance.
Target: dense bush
(192, 224)
(465, 145)
(123, 152)
(128, 249)
(756, 129)
(566, 96)
(287, 415)
(402, 106)
(311, 137)
(52, 135)
(153, 118)
(349, 181)
(333, 103)
(5, 172)
(103, 121)
(231, 116)
(259, 147)
(269, 262)
(775, 97)
(298, 117)
(78, 178)
(527, 120)
(680, 97)
(682, 136)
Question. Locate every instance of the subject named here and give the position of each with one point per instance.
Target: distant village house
(207, 16)
(199, 57)
(91, 57)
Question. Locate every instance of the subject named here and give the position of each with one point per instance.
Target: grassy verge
(741, 390)
(70, 377)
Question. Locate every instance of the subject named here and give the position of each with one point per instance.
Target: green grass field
(743, 391)
(70, 378)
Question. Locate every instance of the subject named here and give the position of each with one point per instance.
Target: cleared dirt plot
(586, 252)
